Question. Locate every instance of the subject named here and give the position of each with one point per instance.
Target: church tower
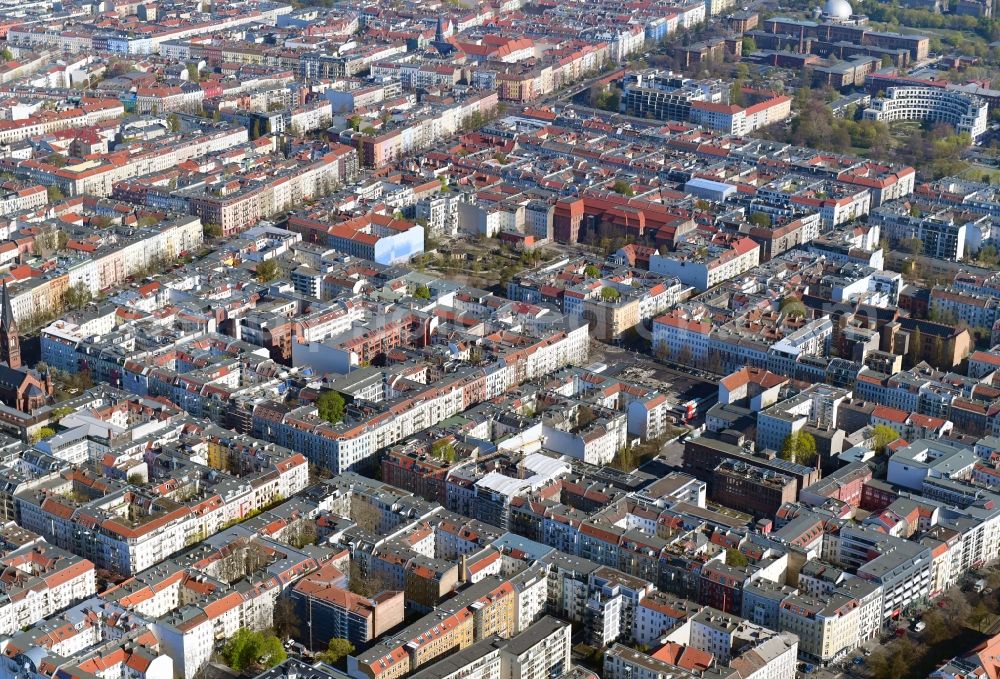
(10, 343)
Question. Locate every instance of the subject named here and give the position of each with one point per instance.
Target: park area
(953, 625)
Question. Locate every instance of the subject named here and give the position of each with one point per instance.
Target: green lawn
(976, 172)
(905, 126)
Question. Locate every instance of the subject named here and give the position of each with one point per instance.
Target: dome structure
(838, 9)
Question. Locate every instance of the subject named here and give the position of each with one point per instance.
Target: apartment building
(706, 264)
(827, 627)
(750, 489)
(382, 149)
(376, 237)
(334, 612)
(741, 120)
(236, 205)
(41, 580)
(123, 529)
(816, 407)
(90, 111)
(943, 233)
(954, 306)
(476, 613)
(966, 113)
(97, 175)
(353, 444)
(542, 650)
(19, 199)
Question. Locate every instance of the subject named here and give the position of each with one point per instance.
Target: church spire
(10, 343)
(6, 314)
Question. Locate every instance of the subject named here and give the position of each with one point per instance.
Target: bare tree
(364, 583)
(286, 619)
(303, 534)
(367, 516)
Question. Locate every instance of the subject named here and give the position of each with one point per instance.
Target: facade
(827, 628)
(375, 237)
(704, 267)
(967, 114)
(41, 581)
(155, 531)
(484, 610)
(334, 612)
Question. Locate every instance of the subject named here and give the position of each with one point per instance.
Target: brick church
(20, 388)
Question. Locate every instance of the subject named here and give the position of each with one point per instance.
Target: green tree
(272, 652)
(591, 271)
(55, 194)
(916, 346)
(609, 294)
(212, 230)
(736, 93)
(799, 447)
(988, 256)
(444, 449)
(938, 628)
(78, 296)
(240, 652)
(336, 650)
(42, 433)
(422, 292)
(980, 616)
(736, 558)
(248, 648)
(761, 219)
(304, 536)
(623, 187)
(625, 459)
(793, 307)
(267, 271)
(330, 405)
(749, 45)
(883, 435)
(194, 75)
(605, 98)
(175, 122)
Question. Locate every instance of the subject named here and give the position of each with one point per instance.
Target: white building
(677, 336)
(706, 265)
(827, 627)
(541, 651)
(966, 113)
